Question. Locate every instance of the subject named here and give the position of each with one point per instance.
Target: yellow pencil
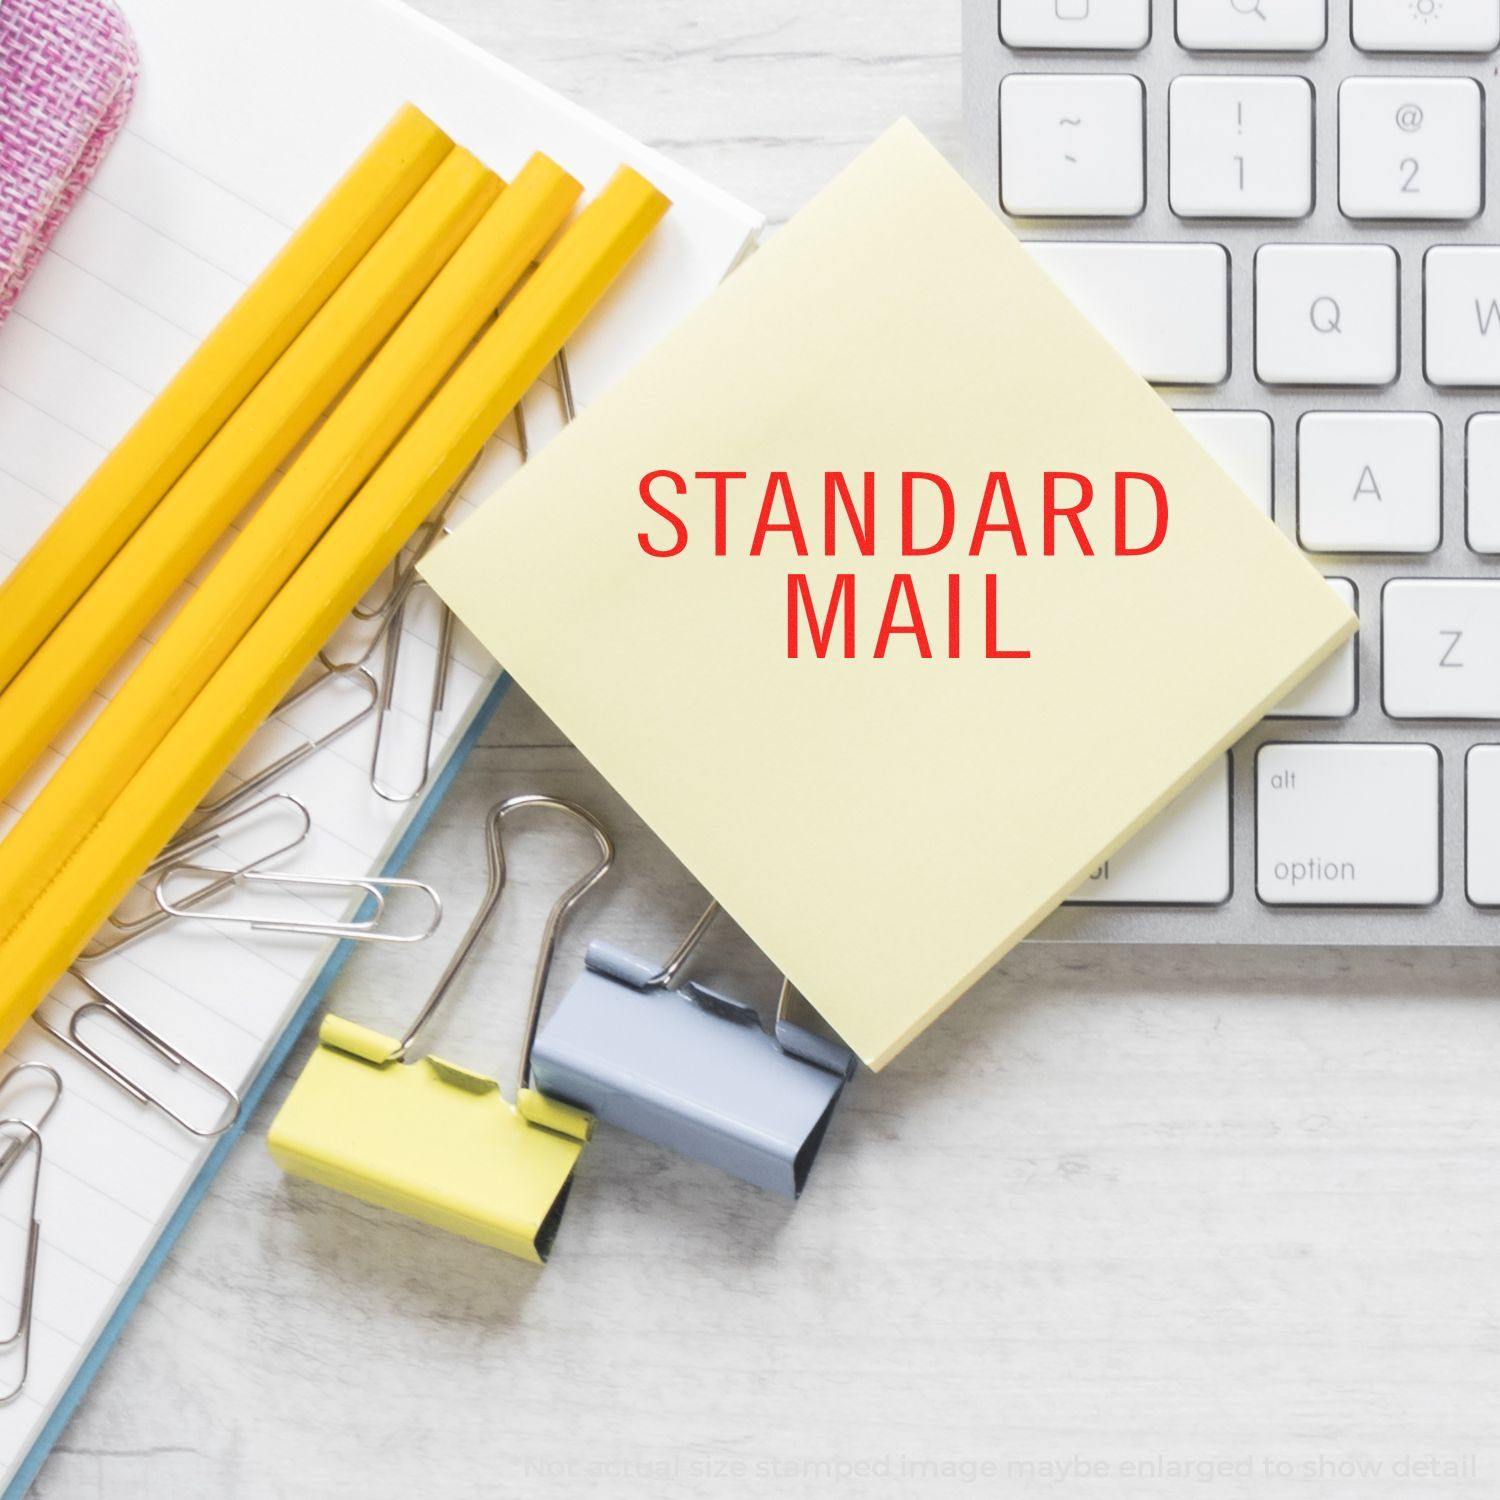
(59, 917)
(226, 367)
(267, 425)
(359, 430)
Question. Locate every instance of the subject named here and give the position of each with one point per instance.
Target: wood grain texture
(1150, 1208)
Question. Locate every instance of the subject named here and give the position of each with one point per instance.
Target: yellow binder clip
(433, 1140)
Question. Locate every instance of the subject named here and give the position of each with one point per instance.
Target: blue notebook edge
(63, 1411)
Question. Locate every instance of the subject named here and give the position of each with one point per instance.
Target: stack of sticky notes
(889, 596)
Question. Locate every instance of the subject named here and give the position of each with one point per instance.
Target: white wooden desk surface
(1149, 1209)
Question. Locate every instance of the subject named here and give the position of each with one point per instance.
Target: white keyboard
(1279, 211)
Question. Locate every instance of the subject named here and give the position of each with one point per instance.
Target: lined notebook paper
(245, 115)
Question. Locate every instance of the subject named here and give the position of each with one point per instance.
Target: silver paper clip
(311, 744)
(436, 696)
(404, 576)
(403, 570)
(11, 1149)
(125, 929)
(101, 1004)
(565, 395)
(390, 620)
(23, 1137)
(691, 1068)
(392, 617)
(364, 927)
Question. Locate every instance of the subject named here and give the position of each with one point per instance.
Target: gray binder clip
(691, 1068)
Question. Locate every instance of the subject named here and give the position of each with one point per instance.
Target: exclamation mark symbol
(1239, 129)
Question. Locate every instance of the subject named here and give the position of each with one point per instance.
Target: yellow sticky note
(886, 823)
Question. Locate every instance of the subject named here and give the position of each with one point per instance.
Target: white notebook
(244, 117)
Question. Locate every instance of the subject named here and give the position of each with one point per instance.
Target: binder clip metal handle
(495, 888)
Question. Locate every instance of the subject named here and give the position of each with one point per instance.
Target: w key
(1463, 315)
(1441, 648)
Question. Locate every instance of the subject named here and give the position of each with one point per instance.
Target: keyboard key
(1164, 307)
(1440, 643)
(1482, 824)
(1331, 692)
(1326, 314)
(1427, 25)
(1241, 148)
(1252, 25)
(1182, 857)
(1072, 144)
(1240, 443)
(1411, 148)
(1483, 470)
(1369, 482)
(1348, 825)
(1101, 25)
(1463, 315)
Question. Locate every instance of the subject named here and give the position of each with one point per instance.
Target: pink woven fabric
(67, 75)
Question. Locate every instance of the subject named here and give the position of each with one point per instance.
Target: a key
(1326, 314)
(1440, 648)
(1182, 856)
(1483, 474)
(1251, 25)
(1072, 144)
(1098, 25)
(1347, 825)
(1240, 443)
(1427, 25)
(1369, 482)
(1463, 315)
(1332, 691)
(1411, 148)
(1482, 824)
(1241, 148)
(1164, 307)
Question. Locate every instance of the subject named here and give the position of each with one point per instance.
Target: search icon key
(1253, 25)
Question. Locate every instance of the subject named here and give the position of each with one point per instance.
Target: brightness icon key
(1426, 25)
